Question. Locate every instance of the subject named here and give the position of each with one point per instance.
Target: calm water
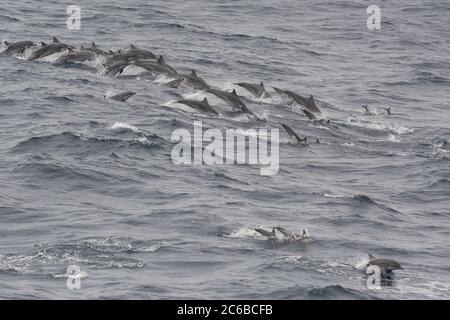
(85, 181)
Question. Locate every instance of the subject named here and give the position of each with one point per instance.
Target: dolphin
(75, 56)
(17, 47)
(134, 53)
(231, 98)
(385, 265)
(271, 235)
(291, 236)
(124, 96)
(293, 137)
(174, 83)
(195, 81)
(116, 67)
(308, 103)
(388, 110)
(155, 67)
(281, 92)
(93, 48)
(48, 49)
(202, 106)
(257, 90)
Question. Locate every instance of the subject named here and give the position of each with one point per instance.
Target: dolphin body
(159, 67)
(49, 49)
(293, 137)
(17, 47)
(385, 265)
(174, 83)
(282, 235)
(308, 103)
(76, 56)
(202, 106)
(133, 53)
(116, 67)
(231, 98)
(124, 96)
(257, 90)
(93, 48)
(194, 81)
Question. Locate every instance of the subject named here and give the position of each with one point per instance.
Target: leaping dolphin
(49, 49)
(195, 81)
(202, 106)
(280, 234)
(231, 98)
(17, 47)
(385, 265)
(115, 67)
(122, 97)
(93, 48)
(257, 90)
(293, 137)
(75, 56)
(308, 103)
(155, 67)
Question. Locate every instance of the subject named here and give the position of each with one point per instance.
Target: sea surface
(89, 181)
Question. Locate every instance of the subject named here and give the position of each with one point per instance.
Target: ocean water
(90, 182)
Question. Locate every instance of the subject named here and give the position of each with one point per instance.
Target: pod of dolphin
(116, 62)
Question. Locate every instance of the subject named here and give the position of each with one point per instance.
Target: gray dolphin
(17, 47)
(174, 83)
(155, 67)
(308, 103)
(116, 67)
(257, 90)
(385, 265)
(293, 137)
(388, 110)
(124, 96)
(75, 56)
(48, 49)
(291, 236)
(231, 98)
(134, 53)
(195, 81)
(93, 48)
(202, 106)
(271, 235)
(281, 92)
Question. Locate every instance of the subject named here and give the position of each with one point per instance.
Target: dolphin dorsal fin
(43, 44)
(194, 74)
(261, 85)
(304, 232)
(93, 45)
(132, 47)
(6, 43)
(55, 40)
(234, 92)
(161, 60)
(205, 101)
(371, 256)
(311, 98)
(274, 234)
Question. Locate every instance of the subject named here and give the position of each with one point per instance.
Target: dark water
(90, 182)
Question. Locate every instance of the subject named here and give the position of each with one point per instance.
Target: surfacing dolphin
(17, 47)
(308, 103)
(122, 97)
(257, 90)
(159, 67)
(231, 98)
(385, 265)
(49, 49)
(93, 48)
(202, 106)
(194, 81)
(133, 53)
(280, 234)
(293, 137)
(115, 67)
(75, 56)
